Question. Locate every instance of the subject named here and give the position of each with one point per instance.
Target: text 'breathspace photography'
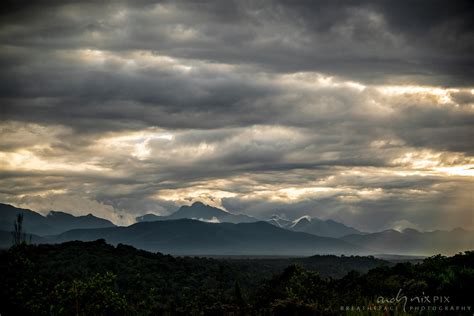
(219, 157)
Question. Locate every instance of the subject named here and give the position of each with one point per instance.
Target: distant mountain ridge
(314, 226)
(51, 224)
(193, 237)
(413, 242)
(279, 221)
(202, 212)
(206, 213)
(210, 231)
(327, 228)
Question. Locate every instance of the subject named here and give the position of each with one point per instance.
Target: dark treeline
(94, 278)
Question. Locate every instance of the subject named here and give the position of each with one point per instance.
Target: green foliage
(93, 296)
(94, 278)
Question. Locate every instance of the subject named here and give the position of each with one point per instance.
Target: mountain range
(414, 242)
(206, 213)
(201, 229)
(193, 237)
(202, 212)
(51, 224)
(315, 226)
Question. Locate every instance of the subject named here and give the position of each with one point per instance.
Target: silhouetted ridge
(54, 223)
(185, 236)
(202, 212)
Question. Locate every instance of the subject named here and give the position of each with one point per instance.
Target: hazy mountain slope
(149, 218)
(67, 221)
(201, 212)
(208, 213)
(52, 224)
(413, 242)
(314, 226)
(195, 237)
(33, 222)
(279, 221)
(327, 228)
(6, 239)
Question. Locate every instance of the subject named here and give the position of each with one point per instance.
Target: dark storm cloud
(423, 210)
(431, 41)
(441, 128)
(137, 106)
(378, 40)
(94, 98)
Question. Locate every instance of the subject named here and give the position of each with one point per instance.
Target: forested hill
(94, 278)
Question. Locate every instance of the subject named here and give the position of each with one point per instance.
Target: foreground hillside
(94, 278)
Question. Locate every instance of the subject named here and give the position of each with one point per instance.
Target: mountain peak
(305, 218)
(53, 223)
(390, 231)
(202, 212)
(198, 210)
(301, 222)
(69, 216)
(324, 228)
(58, 214)
(198, 203)
(410, 231)
(279, 220)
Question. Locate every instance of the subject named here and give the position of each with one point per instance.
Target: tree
(97, 295)
(19, 236)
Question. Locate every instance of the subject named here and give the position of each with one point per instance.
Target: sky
(357, 111)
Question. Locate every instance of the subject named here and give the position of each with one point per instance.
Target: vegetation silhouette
(95, 278)
(18, 234)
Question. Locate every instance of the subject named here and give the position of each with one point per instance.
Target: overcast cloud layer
(362, 112)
